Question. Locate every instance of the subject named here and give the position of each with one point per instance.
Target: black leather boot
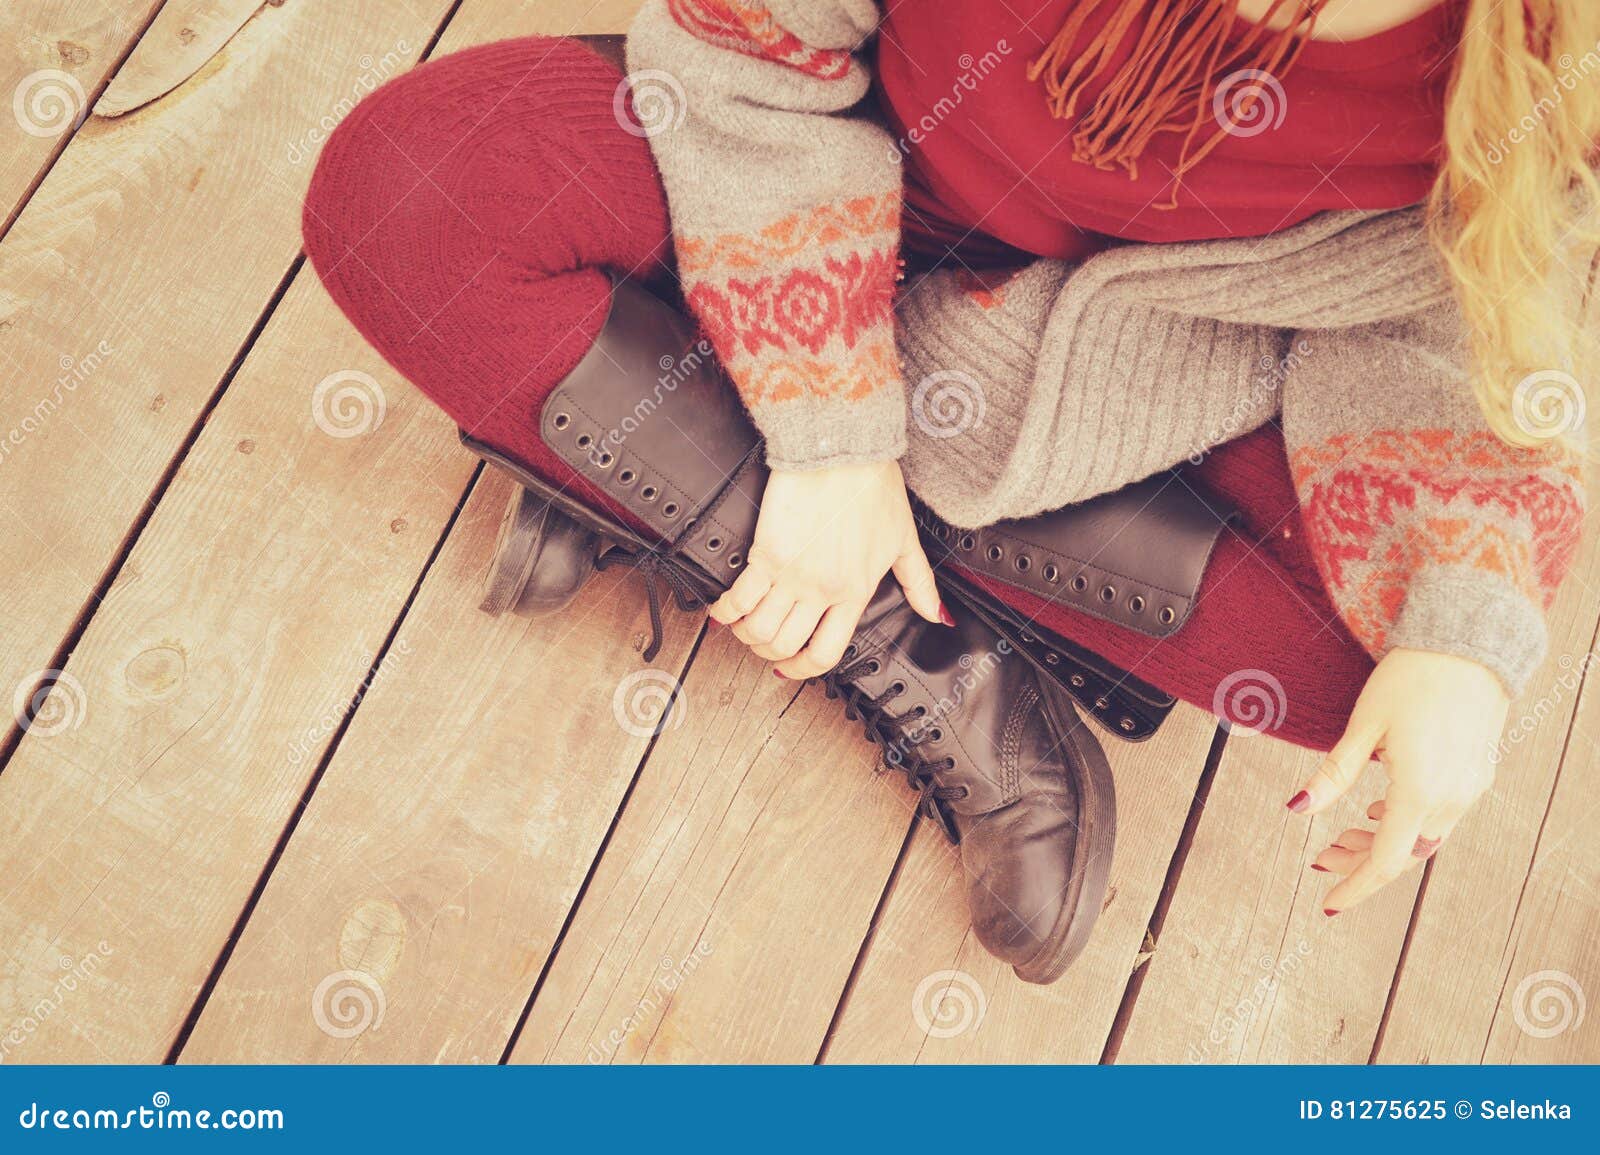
(980, 717)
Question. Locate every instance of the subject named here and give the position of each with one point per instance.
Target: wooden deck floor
(292, 798)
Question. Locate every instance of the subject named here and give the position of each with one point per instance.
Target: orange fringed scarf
(1170, 81)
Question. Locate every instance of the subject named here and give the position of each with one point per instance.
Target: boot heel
(542, 558)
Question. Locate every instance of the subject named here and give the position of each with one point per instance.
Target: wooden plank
(1552, 971)
(185, 35)
(54, 56)
(724, 919)
(197, 704)
(129, 284)
(453, 828)
(927, 991)
(1248, 969)
(1448, 993)
(236, 636)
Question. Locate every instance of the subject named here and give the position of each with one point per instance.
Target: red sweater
(985, 159)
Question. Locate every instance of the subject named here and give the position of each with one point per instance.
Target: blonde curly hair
(1510, 210)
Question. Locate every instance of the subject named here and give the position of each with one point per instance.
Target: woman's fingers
(828, 642)
(1355, 839)
(744, 595)
(1342, 766)
(1338, 860)
(760, 626)
(1390, 856)
(915, 575)
(794, 633)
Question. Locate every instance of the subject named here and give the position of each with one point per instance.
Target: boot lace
(656, 567)
(896, 735)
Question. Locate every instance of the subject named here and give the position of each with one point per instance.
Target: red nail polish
(780, 674)
(1329, 911)
(944, 615)
(1299, 802)
(1323, 869)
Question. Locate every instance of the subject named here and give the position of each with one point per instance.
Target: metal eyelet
(626, 477)
(560, 421)
(714, 544)
(967, 542)
(1168, 615)
(1027, 637)
(898, 687)
(1052, 574)
(1108, 593)
(994, 553)
(670, 509)
(874, 667)
(1101, 704)
(649, 493)
(849, 652)
(1052, 658)
(1136, 604)
(936, 735)
(1079, 584)
(1023, 563)
(1125, 725)
(735, 560)
(1077, 681)
(605, 459)
(584, 440)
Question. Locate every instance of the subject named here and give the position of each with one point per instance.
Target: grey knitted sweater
(1068, 380)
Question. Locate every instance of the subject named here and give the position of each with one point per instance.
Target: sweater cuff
(817, 433)
(1472, 614)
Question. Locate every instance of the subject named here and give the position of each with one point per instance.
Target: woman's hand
(1433, 721)
(823, 542)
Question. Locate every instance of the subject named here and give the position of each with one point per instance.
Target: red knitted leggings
(464, 217)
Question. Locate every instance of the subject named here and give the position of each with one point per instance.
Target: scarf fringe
(1169, 82)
